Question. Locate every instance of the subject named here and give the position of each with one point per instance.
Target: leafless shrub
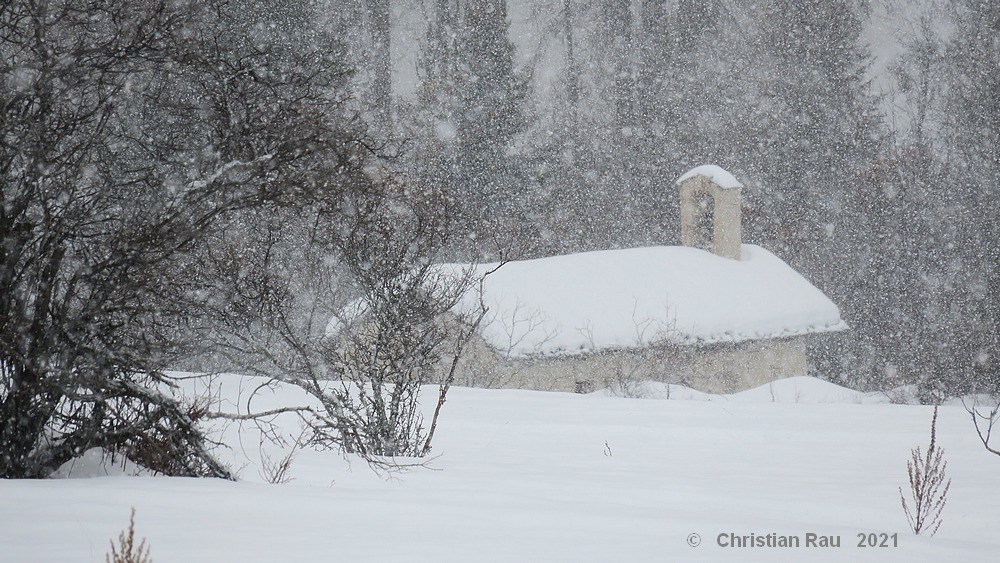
(928, 485)
(276, 471)
(984, 421)
(127, 551)
(630, 370)
(465, 330)
(359, 315)
(625, 378)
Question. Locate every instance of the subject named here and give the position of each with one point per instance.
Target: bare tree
(131, 133)
(983, 420)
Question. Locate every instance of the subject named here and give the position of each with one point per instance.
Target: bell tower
(711, 211)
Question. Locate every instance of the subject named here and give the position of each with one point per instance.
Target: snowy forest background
(866, 133)
(202, 185)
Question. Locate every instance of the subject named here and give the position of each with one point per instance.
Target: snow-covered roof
(715, 173)
(619, 299)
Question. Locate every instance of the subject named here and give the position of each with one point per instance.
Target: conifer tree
(973, 57)
(470, 108)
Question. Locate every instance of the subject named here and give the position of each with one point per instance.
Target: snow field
(532, 476)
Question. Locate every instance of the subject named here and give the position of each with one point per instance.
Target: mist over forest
(866, 134)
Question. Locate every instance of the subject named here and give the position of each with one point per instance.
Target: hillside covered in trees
(866, 133)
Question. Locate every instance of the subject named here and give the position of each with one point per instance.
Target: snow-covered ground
(532, 476)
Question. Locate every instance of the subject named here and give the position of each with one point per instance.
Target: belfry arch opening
(711, 211)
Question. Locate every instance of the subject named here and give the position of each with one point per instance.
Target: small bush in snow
(928, 485)
(127, 551)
